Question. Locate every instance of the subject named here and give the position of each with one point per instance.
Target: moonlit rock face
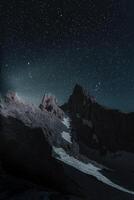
(12, 97)
(89, 169)
(29, 114)
(66, 136)
(50, 104)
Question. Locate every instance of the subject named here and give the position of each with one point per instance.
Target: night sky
(50, 45)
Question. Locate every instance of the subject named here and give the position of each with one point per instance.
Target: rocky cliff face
(50, 104)
(97, 126)
(51, 148)
(27, 139)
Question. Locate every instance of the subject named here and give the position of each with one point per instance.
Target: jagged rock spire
(49, 103)
(11, 97)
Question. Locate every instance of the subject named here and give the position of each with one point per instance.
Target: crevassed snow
(66, 122)
(89, 169)
(66, 136)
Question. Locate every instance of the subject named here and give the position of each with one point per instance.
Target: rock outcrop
(12, 97)
(97, 126)
(49, 103)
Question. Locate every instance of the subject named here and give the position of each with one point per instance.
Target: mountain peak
(12, 97)
(50, 104)
(79, 89)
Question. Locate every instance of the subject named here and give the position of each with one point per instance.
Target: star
(97, 87)
(56, 46)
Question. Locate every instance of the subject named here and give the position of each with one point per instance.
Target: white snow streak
(66, 136)
(87, 168)
(66, 122)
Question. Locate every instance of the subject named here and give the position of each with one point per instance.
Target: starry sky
(49, 46)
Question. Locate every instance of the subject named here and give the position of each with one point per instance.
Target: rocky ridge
(48, 146)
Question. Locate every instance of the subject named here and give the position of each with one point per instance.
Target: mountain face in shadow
(98, 126)
(68, 152)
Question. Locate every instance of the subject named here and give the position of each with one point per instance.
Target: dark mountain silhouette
(96, 125)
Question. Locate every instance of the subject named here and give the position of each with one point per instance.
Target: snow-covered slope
(89, 169)
(66, 136)
(66, 122)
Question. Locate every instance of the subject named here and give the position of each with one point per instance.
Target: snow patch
(66, 122)
(89, 169)
(66, 136)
